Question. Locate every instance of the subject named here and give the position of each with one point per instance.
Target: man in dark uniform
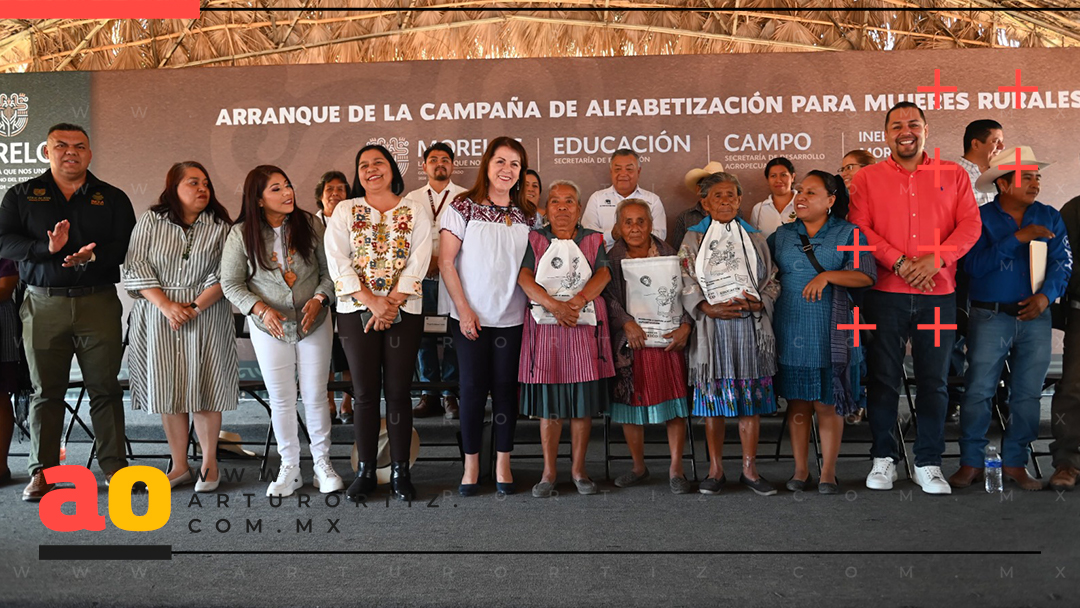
(69, 233)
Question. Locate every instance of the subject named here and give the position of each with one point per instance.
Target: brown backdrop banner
(679, 112)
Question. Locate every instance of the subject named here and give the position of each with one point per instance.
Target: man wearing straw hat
(695, 214)
(1020, 264)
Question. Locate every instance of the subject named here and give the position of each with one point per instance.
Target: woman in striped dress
(563, 367)
(181, 339)
(650, 382)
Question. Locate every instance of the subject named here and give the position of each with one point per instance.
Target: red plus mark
(937, 247)
(1016, 90)
(856, 326)
(937, 167)
(937, 89)
(857, 248)
(937, 326)
(1017, 168)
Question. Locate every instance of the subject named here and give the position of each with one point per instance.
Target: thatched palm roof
(387, 30)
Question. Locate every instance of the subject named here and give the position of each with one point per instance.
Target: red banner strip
(99, 9)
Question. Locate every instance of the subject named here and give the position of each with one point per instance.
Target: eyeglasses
(850, 167)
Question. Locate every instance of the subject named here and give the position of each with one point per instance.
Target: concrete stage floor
(641, 546)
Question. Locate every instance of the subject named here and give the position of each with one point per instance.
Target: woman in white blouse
(378, 247)
(484, 236)
(779, 208)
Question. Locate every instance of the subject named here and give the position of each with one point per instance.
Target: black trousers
(488, 364)
(381, 360)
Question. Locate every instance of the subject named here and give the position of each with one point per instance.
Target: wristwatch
(195, 307)
(325, 300)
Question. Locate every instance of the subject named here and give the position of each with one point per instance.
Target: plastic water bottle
(992, 462)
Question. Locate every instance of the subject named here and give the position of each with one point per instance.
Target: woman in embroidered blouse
(819, 367)
(564, 366)
(483, 238)
(274, 270)
(378, 247)
(181, 338)
(732, 355)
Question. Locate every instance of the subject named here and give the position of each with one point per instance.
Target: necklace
(504, 211)
(189, 233)
(287, 274)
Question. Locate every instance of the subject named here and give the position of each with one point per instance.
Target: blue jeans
(427, 359)
(897, 317)
(994, 337)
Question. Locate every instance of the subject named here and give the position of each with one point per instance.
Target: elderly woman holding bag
(728, 289)
(566, 346)
(650, 370)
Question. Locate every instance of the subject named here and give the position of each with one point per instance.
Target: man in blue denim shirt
(1009, 320)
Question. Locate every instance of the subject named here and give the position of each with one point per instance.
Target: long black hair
(834, 185)
(298, 226)
(397, 184)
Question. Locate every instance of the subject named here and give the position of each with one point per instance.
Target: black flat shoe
(760, 486)
(346, 418)
(504, 489)
(468, 489)
(400, 483)
(797, 485)
(364, 484)
(829, 488)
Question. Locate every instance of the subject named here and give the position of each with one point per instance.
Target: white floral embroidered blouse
(378, 250)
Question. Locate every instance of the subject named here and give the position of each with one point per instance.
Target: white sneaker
(931, 480)
(287, 482)
(326, 479)
(883, 474)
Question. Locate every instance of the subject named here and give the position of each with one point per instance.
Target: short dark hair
(397, 183)
(439, 147)
(67, 126)
(625, 152)
(901, 106)
(326, 178)
(980, 130)
(779, 160)
(534, 174)
(1008, 176)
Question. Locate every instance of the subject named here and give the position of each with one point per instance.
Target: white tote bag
(563, 271)
(724, 263)
(652, 296)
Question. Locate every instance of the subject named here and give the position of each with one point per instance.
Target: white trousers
(281, 364)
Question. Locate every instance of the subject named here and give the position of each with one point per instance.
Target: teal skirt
(622, 413)
(560, 401)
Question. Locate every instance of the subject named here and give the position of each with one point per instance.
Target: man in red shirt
(909, 206)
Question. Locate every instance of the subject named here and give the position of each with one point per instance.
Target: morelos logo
(398, 148)
(14, 112)
(97, 199)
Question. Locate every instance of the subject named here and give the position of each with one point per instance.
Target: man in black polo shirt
(69, 233)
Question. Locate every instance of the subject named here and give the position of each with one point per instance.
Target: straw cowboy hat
(695, 175)
(382, 470)
(985, 183)
(230, 442)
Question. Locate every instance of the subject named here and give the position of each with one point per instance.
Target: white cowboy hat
(1007, 157)
(695, 175)
(382, 470)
